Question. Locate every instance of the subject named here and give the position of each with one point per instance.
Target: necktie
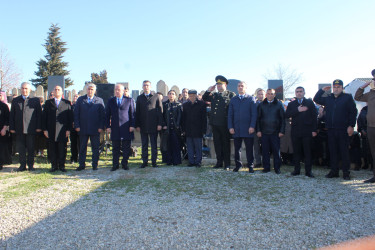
(118, 102)
(89, 100)
(57, 103)
(241, 96)
(300, 101)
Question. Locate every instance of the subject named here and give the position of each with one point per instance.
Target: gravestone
(15, 92)
(278, 86)
(232, 85)
(45, 95)
(105, 91)
(74, 92)
(126, 84)
(162, 87)
(322, 85)
(39, 91)
(177, 89)
(54, 81)
(135, 94)
(32, 94)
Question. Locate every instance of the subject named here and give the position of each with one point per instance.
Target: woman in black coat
(171, 124)
(4, 123)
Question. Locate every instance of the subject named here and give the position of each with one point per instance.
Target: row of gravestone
(161, 87)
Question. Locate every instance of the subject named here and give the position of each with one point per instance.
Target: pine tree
(53, 64)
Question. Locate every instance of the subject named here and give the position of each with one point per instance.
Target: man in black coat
(57, 123)
(148, 121)
(270, 127)
(4, 123)
(74, 137)
(25, 121)
(89, 118)
(304, 127)
(341, 113)
(219, 119)
(120, 120)
(194, 124)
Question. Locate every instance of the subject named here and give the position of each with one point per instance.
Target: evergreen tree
(53, 64)
(99, 78)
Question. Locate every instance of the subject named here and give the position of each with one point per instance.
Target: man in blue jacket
(341, 114)
(120, 122)
(242, 116)
(89, 123)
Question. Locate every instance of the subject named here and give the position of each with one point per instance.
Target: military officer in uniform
(219, 119)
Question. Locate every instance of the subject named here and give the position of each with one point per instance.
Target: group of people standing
(259, 121)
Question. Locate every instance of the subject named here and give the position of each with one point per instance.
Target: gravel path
(180, 207)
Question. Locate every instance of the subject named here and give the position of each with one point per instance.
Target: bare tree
(289, 76)
(10, 75)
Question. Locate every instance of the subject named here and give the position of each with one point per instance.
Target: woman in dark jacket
(171, 125)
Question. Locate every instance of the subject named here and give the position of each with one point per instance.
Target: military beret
(192, 92)
(338, 82)
(373, 72)
(221, 79)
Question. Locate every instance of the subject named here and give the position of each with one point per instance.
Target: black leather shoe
(372, 180)
(192, 165)
(143, 165)
(95, 168)
(332, 175)
(218, 166)
(31, 169)
(251, 170)
(63, 170)
(125, 167)
(277, 171)
(114, 168)
(310, 175)
(80, 168)
(155, 165)
(236, 169)
(198, 165)
(294, 173)
(266, 170)
(346, 177)
(53, 170)
(21, 169)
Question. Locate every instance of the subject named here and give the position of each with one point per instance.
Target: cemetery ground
(180, 207)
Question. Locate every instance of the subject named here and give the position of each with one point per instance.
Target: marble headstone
(177, 89)
(39, 91)
(162, 87)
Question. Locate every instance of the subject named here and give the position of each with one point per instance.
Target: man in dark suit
(120, 122)
(25, 121)
(89, 121)
(74, 137)
(57, 123)
(194, 122)
(219, 119)
(242, 117)
(304, 125)
(148, 121)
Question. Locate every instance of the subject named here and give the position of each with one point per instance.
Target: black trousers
(154, 150)
(25, 143)
(249, 142)
(174, 148)
(338, 143)
(271, 143)
(124, 146)
(302, 147)
(57, 154)
(74, 145)
(221, 138)
(95, 143)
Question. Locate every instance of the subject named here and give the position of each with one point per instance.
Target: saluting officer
(219, 119)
